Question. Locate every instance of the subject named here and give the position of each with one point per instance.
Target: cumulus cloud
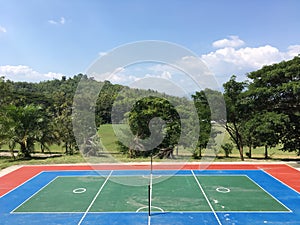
(2, 29)
(60, 21)
(228, 61)
(231, 57)
(293, 50)
(25, 73)
(233, 42)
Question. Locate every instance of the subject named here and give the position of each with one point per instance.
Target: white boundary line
(266, 172)
(207, 200)
(269, 194)
(245, 175)
(21, 184)
(173, 212)
(149, 220)
(33, 195)
(202, 175)
(88, 209)
(9, 169)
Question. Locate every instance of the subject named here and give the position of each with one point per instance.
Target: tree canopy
(262, 111)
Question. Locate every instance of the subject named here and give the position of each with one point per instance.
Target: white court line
(149, 220)
(96, 196)
(269, 194)
(13, 211)
(208, 202)
(22, 184)
(266, 172)
(150, 205)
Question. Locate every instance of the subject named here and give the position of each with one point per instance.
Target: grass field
(108, 138)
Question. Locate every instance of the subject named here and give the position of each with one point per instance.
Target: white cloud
(60, 21)
(2, 29)
(25, 73)
(233, 41)
(293, 50)
(222, 63)
(102, 53)
(227, 61)
(166, 75)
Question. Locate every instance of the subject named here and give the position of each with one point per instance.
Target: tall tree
(63, 121)
(233, 95)
(204, 115)
(276, 88)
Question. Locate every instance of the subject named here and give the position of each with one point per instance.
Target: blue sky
(45, 39)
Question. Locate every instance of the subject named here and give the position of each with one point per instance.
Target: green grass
(6, 161)
(111, 153)
(108, 138)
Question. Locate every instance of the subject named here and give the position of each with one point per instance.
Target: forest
(263, 110)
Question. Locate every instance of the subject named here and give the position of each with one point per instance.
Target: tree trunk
(25, 150)
(165, 153)
(266, 152)
(241, 150)
(12, 153)
(66, 148)
(250, 152)
(239, 141)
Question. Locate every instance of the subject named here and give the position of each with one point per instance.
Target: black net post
(149, 200)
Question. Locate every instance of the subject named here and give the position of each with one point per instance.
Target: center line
(212, 209)
(88, 209)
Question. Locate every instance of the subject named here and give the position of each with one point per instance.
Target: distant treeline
(262, 111)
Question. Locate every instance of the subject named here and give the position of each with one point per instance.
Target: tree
(227, 147)
(144, 122)
(5, 98)
(204, 115)
(236, 112)
(276, 88)
(5, 94)
(25, 126)
(266, 129)
(63, 121)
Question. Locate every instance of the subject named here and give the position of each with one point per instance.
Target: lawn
(111, 153)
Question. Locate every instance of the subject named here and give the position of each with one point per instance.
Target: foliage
(25, 126)
(276, 89)
(145, 125)
(206, 133)
(264, 111)
(236, 116)
(227, 147)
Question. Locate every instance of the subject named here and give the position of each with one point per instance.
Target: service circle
(223, 189)
(79, 190)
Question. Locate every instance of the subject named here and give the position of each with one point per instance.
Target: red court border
(286, 174)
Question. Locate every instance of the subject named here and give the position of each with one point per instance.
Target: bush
(227, 147)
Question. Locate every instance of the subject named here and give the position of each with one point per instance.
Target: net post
(151, 164)
(149, 200)
(150, 185)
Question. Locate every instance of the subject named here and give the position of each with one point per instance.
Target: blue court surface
(122, 197)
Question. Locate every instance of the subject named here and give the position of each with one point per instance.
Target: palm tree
(25, 126)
